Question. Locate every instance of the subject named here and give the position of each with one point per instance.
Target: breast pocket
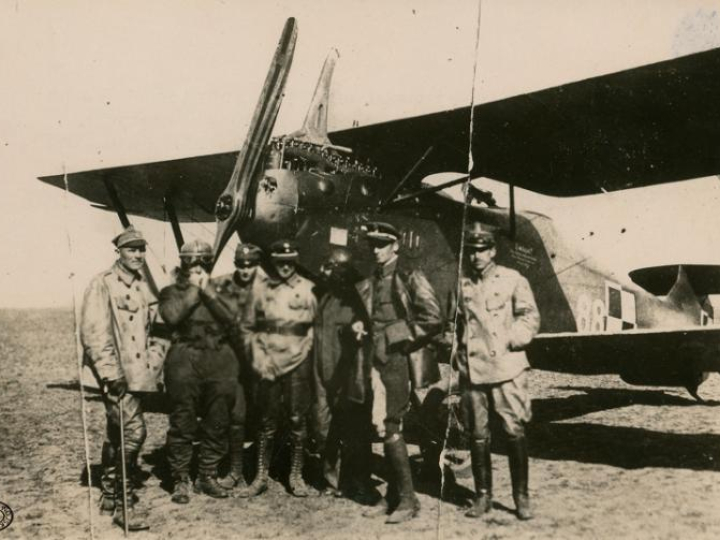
(495, 304)
(128, 304)
(296, 303)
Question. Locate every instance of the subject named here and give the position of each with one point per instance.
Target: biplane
(649, 125)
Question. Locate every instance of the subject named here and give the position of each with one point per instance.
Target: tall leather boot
(295, 482)
(234, 478)
(482, 474)
(136, 517)
(408, 506)
(264, 453)
(108, 479)
(518, 460)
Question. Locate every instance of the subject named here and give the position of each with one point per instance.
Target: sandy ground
(607, 461)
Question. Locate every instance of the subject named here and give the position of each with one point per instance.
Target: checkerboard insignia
(620, 308)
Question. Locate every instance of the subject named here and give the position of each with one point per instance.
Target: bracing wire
(79, 356)
(458, 283)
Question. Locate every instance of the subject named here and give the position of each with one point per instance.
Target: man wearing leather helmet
(237, 288)
(338, 410)
(201, 370)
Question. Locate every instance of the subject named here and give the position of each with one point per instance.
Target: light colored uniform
(497, 319)
(278, 324)
(118, 313)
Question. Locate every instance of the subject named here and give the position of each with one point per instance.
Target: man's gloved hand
(118, 387)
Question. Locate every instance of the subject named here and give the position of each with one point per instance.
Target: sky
(93, 84)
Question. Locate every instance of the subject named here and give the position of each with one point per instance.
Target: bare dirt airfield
(607, 461)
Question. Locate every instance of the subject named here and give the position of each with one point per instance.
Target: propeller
(234, 206)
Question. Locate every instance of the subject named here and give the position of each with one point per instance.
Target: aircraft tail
(314, 128)
(682, 294)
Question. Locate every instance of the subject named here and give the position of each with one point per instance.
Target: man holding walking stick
(119, 310)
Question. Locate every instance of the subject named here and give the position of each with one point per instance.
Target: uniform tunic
(119, 310)
(277, 325)
(402, 310)
(278, 336)
(497, 319)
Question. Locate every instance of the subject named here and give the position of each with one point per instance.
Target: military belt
(293, 329)
(207, 341)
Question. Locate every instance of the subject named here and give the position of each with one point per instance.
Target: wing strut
(174, 223)
(512, 212)
(397, 189)
(122, 215)
(116, 202)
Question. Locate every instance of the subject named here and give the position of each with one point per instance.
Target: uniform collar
(387, 269)
(236, 281)
(291, 281)
(125, 275)
(487, 272)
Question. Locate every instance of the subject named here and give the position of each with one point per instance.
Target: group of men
(343, 354)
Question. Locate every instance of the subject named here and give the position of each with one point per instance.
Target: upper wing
(647, 125)
(193, 183)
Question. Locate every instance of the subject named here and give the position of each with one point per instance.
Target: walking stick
(123, 468)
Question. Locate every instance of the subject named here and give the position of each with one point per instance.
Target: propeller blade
(233, 206)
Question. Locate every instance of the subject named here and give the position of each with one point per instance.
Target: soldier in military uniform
(403, 311)
(277, 329)
(238, 286)
(496, 319)
(338, 412)
(201, 371)
(119, 311)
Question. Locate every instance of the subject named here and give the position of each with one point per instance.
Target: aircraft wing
(644, 356)
(647, 125)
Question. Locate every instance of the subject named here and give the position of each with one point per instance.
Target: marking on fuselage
(338, 236)
(620, 308)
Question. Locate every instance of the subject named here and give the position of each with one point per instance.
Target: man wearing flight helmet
(236, 289)
(277, 329)
(339, 412)
(201, 370)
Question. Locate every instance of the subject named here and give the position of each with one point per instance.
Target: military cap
(130, 237)
(377, 230)
(247, 255)
(482, 240)
(284, 250)
(476, 236)
(196, 248)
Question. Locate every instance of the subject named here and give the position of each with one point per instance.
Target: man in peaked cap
(237, 288)
(201, 371)
(496, 320)
(403, 310)
(277, 330)
(118, 334)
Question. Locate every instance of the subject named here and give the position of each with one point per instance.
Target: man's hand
(118, 387)
(198, 277)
